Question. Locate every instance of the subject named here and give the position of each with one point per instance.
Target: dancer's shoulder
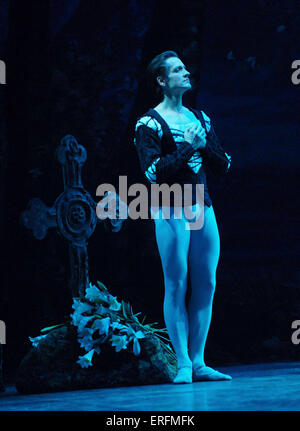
(149, 121)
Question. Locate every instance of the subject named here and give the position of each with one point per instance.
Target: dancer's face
(177, 79)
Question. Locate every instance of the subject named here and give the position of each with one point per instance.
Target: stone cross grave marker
(73, 213)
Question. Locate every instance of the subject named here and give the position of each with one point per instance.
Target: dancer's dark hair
(157, 67)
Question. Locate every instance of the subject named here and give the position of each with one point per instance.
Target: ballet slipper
(184, 375)
(204, 373)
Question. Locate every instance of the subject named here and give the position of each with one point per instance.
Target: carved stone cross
(73, 213)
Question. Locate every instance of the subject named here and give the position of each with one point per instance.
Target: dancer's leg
(203, 260)
(204, 255)
(173, 244)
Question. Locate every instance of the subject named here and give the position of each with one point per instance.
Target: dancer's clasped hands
(196, 136)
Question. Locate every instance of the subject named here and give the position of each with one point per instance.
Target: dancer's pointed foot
(204, 373)
(184, 375)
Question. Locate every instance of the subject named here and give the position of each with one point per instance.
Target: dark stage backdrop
(78, 67)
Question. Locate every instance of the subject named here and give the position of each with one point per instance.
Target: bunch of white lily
(98, 318)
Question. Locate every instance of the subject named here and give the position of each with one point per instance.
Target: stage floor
(259, 387)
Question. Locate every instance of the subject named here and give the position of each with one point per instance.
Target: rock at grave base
(52, 366)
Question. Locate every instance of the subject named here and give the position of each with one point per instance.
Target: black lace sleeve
(214, 155)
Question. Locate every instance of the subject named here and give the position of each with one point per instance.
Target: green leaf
(134, 317)
(123, 310)
(101, 286)
(49, 328)
(159, 330)
(128, 308)
(151, 324)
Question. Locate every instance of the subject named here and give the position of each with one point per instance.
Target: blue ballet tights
(196, 252)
